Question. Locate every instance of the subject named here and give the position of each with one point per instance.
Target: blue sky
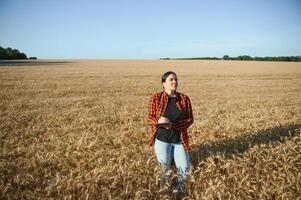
(141, 29)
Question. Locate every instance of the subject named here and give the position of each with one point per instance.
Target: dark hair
(166, 74)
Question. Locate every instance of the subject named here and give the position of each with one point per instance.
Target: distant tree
(258, 58)
(3, 53)
(295, 59)
(244, 57)
(11, 54)
(32, 58)
(226, 57)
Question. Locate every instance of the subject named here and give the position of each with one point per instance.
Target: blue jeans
(165, 152)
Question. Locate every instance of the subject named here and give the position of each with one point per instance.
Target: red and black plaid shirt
(156, 109)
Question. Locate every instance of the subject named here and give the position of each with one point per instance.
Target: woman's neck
(171, 92)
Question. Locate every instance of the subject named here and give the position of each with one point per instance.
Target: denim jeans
(165, 152)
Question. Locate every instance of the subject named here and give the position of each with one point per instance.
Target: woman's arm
(187, 119)
(151, 116)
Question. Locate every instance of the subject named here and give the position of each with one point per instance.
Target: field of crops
(77, 129)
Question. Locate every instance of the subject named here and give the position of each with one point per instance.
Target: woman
(170, 114)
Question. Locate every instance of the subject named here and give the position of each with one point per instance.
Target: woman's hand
(164, 120)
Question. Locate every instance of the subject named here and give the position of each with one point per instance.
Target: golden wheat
(77, 130)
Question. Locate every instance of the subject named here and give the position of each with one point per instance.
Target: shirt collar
(165, 95)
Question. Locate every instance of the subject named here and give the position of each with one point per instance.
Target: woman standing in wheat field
(170, 114)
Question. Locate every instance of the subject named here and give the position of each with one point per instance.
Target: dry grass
(77, 130)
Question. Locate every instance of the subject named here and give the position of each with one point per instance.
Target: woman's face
(171, 83)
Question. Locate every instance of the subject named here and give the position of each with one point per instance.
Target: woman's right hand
(164, 120)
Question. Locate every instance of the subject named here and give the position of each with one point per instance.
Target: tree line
(244, 57)
(267, 58)
(12, 54)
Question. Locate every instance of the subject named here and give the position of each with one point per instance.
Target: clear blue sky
(146, 29)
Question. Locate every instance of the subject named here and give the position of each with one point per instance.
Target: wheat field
(76, 129)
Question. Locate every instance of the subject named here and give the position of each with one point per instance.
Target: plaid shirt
(156, 108)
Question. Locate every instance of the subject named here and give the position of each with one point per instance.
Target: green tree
(11, 54)
(226, 57)
(3, 53)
